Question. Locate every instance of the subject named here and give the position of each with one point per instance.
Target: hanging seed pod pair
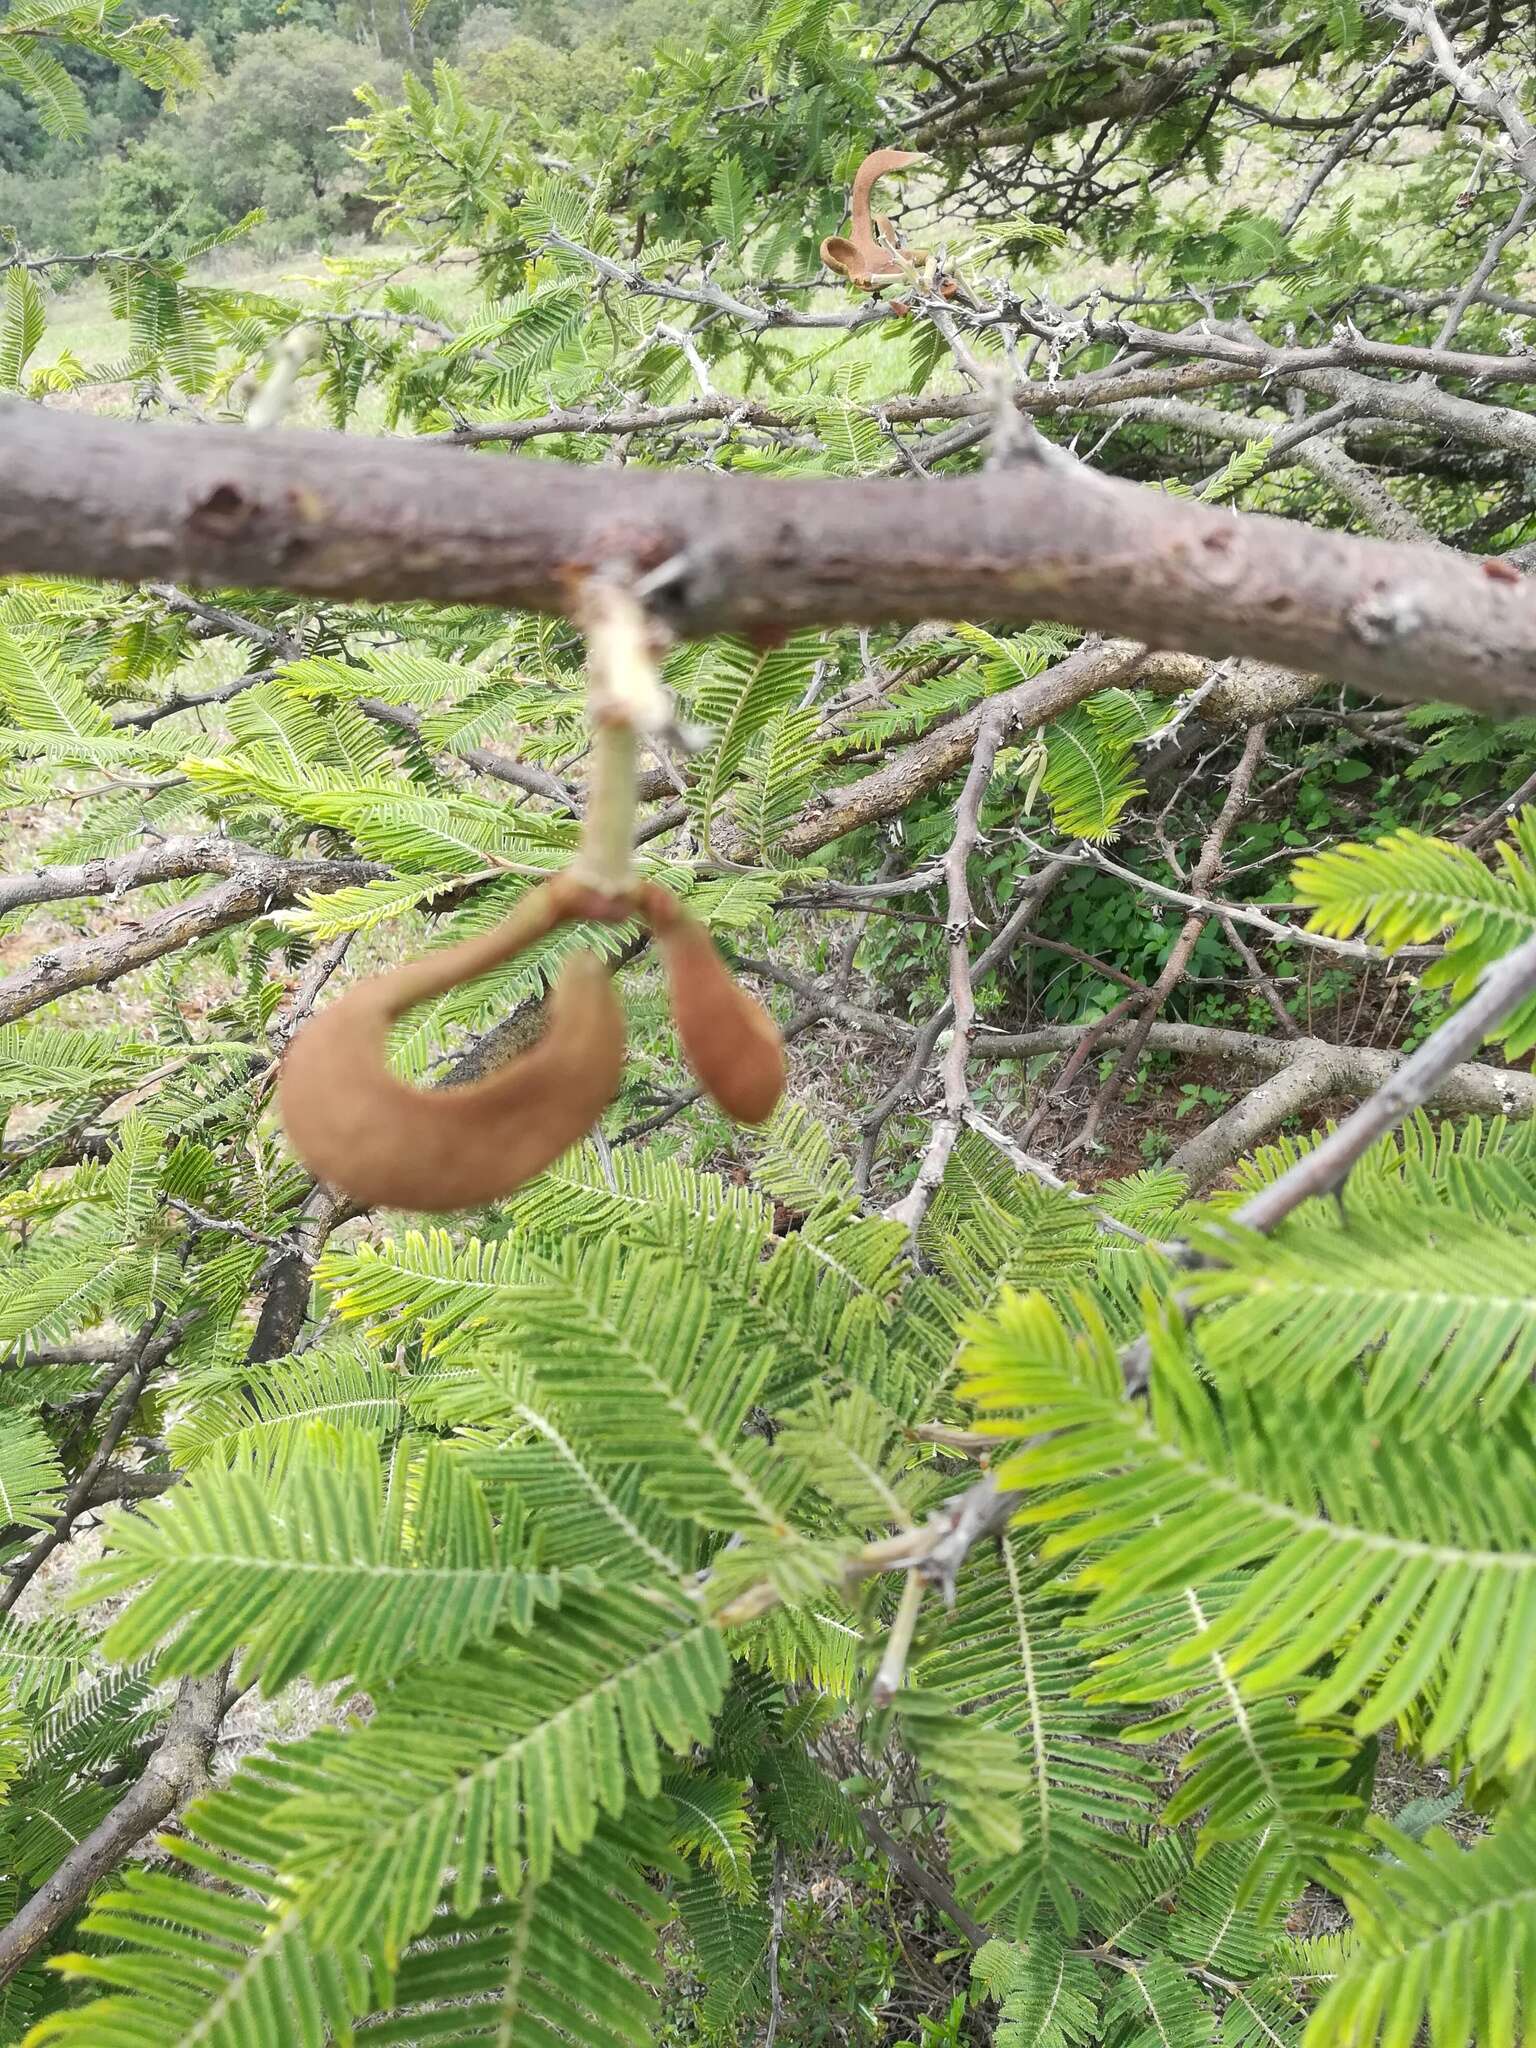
(359, 1128)
(362, 1130)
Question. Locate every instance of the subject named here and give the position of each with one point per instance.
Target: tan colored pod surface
(362, 1130)
(729, 1039)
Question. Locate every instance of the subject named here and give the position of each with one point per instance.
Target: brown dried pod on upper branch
(872, 254)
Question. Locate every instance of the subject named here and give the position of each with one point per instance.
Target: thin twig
(155, 1349)
(1324, 1169)
(1082, 855)
(893, 1663)
(1206, 872)
(225, 1225)
(257, 886)
(1031, 895)
(914, 1205)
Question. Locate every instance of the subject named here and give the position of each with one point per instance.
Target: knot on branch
(1386, 616)
(224, 514)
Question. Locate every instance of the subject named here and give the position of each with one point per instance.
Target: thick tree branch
(1304, 1071)
(177, 1770)
(337, 516)
(78, 1351)
(258, 885)
(173, 860)
(910, 772)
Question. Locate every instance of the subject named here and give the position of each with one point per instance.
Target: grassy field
(81, 323)
(81, 327)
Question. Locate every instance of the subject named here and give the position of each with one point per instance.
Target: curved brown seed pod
(729, 1039)
(860, 255)
(359, 1128)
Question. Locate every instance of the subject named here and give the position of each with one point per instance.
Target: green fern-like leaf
(739, 694)
(43, 83)
(977, 1766)
(911, 708)
(1089, 778)
(30, 1478)
(730, 203)
(1157, 2005)
(1445, 1942)
(42, 1659)
(546, 1738)
(1253, 1774)
(1404, 889)
(1014, 657)
(1424, 1560)
(1008, 1648)
(330, 1573)
(522, 337)
(780, 774)
(22, 320)
(729, 1938)
(40, 692)
(261, 1416)
(589, 1513)
(100, 1721)
(712, 1822)
(637, 1356)
(853, 1451)
(1244, 466)
(13, 1739)
(223, 1955)
(1047, 1998)
(1468, 1167)
(95, 1258)
(1438, 1310)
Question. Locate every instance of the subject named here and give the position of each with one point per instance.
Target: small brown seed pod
(728, 1038)
(872, 255)
(359, 1128)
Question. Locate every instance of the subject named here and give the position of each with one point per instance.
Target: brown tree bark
(337, 516)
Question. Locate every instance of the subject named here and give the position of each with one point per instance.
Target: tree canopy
(1059, 1487)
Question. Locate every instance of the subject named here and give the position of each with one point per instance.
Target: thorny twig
(913, 1206)
(1508, 983)
(155, 1348)
(1325, 1169)
(1206, 872)
(1031, 895)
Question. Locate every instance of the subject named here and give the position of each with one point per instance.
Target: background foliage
(618, 1566)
